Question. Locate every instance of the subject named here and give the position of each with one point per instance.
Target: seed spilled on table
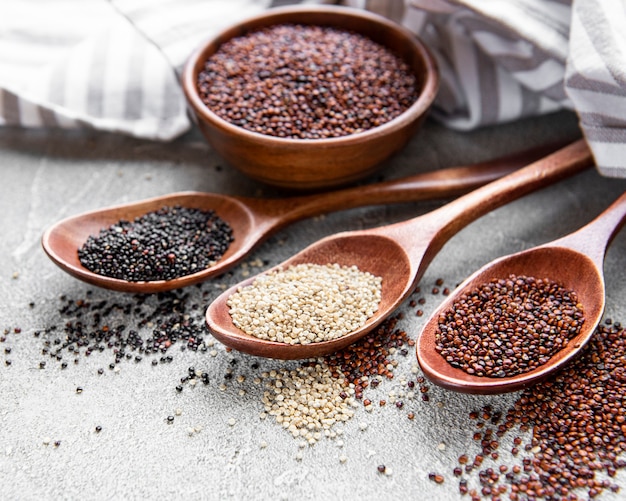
(168, 243)
(578, 423)
(508, 326)
(306, 82)
(91, 325)
(306, 303)
(308, 401)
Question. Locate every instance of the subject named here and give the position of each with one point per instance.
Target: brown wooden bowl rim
(415, 111)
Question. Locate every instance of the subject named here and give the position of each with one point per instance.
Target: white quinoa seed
(306, 303)
(307, 401)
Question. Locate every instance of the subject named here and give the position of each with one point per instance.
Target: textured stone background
(50, 175)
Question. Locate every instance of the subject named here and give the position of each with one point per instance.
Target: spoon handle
(443, 183)
(594, 238)
(441, 224)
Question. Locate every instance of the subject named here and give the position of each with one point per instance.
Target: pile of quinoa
(308, 401)
(578, 422)
(168, 243)
(508, 326)
(306, 82)
(306, 303)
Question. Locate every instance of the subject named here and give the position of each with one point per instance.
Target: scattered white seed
(363, 426)
(263, 444)
(343, 459)
(178, 412)
(46, 441)
(306, 401)
(213, 353)
(441, 446)
(231, 422)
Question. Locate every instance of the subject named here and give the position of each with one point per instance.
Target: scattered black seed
(162, 245)
(98, 429)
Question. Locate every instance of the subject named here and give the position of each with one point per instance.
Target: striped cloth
(114, 65)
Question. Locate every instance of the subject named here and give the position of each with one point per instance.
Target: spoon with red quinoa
(157, 244)
(523, 316)
(398, 254)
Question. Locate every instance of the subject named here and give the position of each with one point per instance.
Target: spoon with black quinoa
(180, 239)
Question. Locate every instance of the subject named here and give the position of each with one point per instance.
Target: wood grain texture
(318, 163)
(574, 261)
(399, 253)
(253, 220)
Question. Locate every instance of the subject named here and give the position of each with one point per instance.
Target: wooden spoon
(574, 261)
(399, 253)
(254, 220)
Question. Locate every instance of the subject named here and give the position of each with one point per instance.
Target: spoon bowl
(253, 220)
(575, 262)
(372, 252)
(398, 253)
(62, 241)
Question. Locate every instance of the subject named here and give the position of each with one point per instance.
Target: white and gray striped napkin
(114, 64)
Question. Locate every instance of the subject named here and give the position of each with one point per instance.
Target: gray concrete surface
(48, 175)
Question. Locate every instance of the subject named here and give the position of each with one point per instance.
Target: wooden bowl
(315, 163)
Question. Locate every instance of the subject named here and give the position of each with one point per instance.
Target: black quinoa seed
(162, 245)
